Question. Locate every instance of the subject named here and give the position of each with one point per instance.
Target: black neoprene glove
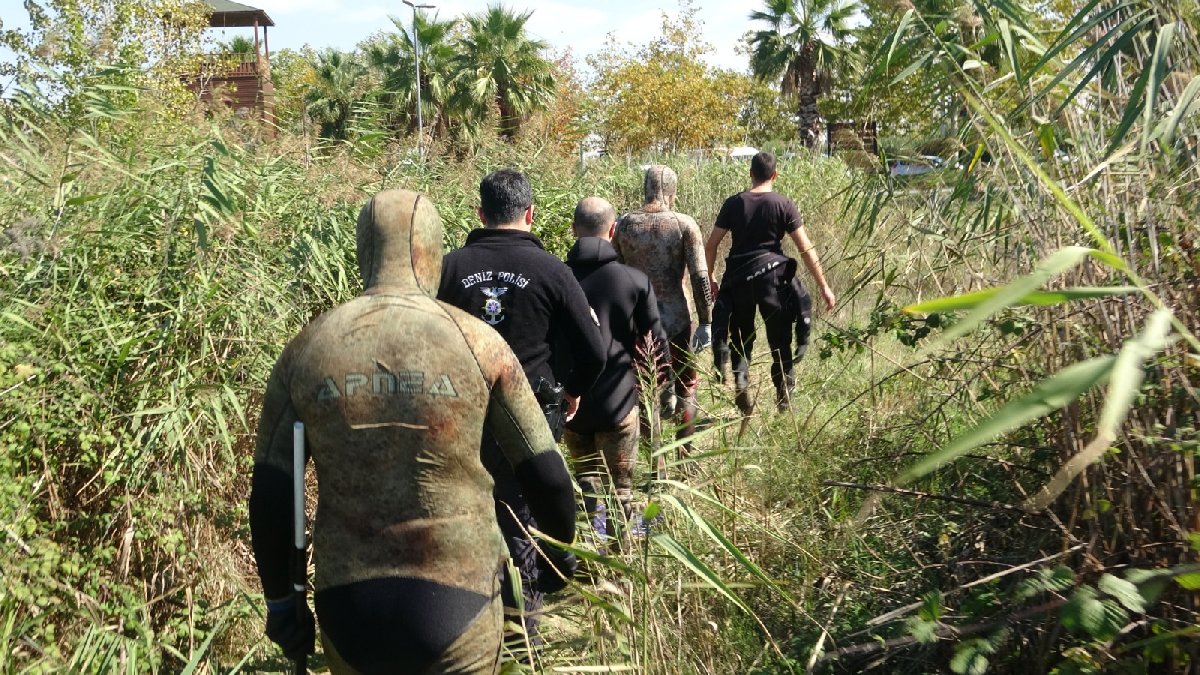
(555, 569)
(295, 631)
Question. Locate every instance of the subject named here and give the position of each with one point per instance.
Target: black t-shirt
(758, 221)
(531, 298)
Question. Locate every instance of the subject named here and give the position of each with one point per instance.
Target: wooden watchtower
(240, 81)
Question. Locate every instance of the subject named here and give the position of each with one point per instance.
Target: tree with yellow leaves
(662, 96)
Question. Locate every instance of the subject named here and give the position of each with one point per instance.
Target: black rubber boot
(783, 391)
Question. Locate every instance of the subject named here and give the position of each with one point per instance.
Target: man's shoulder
(779, 199)
(637, 276)
(686, 221)
(622, 275)
(735, 198)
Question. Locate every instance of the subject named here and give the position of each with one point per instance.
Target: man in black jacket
(758, 274)
(504, 276)
(603, 436)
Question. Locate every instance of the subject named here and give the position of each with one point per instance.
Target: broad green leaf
(1084, 612)
(925, 632)
(1059, 579)
(1123, 388)
(697, 566)
(1038, 298)
(1185, 107)
(719, 537)
(900, 29)
(971, 658)
(1010, 50)
(1150, 583)
(1190, 582)
(1009, 295)
(912, 68)
(1123, 591)
(1133, 108)
(1158, 70)
(1128, 372)
(1046, 397)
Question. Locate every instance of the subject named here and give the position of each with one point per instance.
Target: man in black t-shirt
(603, 437)
(757, 274)
(504, 276)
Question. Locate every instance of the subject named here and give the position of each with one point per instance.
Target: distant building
(239, 80)
(849, 136)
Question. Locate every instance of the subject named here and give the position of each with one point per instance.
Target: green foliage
(339, 89)
(72, 46)
(500, 70)
(152, 265)
(805, 45)
(662, 97)
(392, 54)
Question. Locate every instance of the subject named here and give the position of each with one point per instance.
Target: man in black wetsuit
(757, 274)
(603, 436)
(504, 276)
(395, 390)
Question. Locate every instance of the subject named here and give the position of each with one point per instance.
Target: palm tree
(807, 43)
(501, 69)
(339, 88)
(393, 58)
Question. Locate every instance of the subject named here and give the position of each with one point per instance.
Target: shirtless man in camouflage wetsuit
(395, 390)
(668, 248)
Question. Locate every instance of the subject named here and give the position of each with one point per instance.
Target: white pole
(298, 487)
(416, 40)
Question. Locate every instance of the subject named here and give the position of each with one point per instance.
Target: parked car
(916, 166)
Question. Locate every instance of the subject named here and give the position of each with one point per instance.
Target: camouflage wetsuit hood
(667, 247)
(395, 390)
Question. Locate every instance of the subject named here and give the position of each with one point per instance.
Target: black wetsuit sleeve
(578, 323)
(271, 488)
(516, 421)
(693, 254)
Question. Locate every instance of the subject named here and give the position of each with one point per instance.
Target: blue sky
(582, 26)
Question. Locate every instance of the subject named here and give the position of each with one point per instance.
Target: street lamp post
(417, 60)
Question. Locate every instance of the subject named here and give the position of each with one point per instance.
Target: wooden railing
(233, 64)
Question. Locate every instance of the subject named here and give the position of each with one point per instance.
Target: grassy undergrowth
(152, 267)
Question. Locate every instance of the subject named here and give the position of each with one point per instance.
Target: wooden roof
(228, 14)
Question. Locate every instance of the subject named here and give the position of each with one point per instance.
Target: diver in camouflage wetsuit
(667, 247)
(395, 390)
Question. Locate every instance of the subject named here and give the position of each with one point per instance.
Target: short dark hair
(762, 166)
(504, 195)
